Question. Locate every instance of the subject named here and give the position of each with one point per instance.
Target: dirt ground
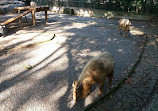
(36, 73)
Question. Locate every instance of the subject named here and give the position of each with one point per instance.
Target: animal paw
(99, 93)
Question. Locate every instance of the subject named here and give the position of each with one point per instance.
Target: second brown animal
(124, 24)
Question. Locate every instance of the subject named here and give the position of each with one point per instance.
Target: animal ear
(128, 23)
(78, 86)
(74, 83)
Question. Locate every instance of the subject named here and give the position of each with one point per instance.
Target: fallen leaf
(129, 81)
(28, 67)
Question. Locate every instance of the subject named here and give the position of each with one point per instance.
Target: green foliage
(134, 6)
(139, 4)
(27, 2)
(156, 5)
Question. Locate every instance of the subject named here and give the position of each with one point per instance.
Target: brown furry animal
(95, 71)
(124, 24)
(33, 4)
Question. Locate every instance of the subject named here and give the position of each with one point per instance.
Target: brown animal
(124, 24)
(33, 4)
(95, 71)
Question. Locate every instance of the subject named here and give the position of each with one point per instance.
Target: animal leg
(127, 31)
(86, 90)
(110, 80)
(119, 30)
(124, 33)
(101, 85)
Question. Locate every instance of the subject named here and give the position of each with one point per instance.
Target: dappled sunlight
(156, 39)
(10, 69)
(22, 39)
(87, 52)
(6, 97)
(109, 15)
(71, 104)
(78, 25)
(9, 15)
(44, 52)
(85, 12)
(95, 13)
(55, 9)
(10, 62)
(19, 43)
(120, 50)
(109, 39)
(36, 106)
(154, 42)
(34, 94)
(74, 19)
(136, 31)
(81, 56)
(5, 42)
(59, 64)
(59, 92)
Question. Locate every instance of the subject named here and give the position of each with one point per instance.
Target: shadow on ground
(47, 85)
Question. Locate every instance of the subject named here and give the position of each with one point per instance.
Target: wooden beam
(24, 8)
(15, 18)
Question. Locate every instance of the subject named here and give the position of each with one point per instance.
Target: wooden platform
(26, 10)
(15, 18)
(33, 10)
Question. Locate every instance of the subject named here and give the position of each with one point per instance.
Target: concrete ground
(36, 73)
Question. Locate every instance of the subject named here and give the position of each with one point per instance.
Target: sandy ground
(36, 74)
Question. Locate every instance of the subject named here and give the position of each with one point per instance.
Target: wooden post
(33, 17)
(20, 17)
(46, 17)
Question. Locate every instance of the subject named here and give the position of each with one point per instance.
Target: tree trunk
(151, 5)
(144, 6)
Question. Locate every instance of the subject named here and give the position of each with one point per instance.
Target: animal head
(77, 90)
(32, 3)
(128, 23)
